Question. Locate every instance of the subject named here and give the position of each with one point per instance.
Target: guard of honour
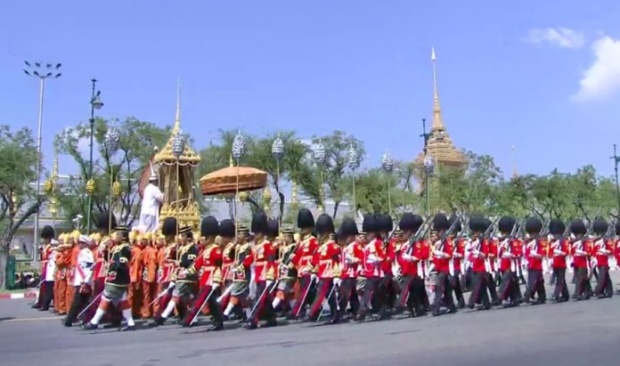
(254, 274)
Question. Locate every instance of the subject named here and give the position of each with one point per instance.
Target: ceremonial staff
(319, 155)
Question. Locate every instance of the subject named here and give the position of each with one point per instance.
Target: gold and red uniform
(326, 265)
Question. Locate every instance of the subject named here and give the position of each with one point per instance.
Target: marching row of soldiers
(253, 274)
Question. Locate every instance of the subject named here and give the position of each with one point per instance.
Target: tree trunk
(4, 257)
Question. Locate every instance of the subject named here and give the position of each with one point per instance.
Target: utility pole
(616, 160)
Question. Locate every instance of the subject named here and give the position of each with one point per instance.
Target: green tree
(137, 142)
(18, 201)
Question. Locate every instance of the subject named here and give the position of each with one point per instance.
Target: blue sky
(542, 77)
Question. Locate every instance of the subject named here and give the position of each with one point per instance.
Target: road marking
(13, 320)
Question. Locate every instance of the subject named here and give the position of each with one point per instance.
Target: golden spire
(177, 117)
(437, 119)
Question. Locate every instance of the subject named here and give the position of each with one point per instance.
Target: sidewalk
(14, 295)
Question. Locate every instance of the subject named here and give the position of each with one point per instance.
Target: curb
(19, 295)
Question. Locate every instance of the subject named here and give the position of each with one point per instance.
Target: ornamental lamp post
(429, 167)
(353, 162)
(95, 104)
(112, 144)
(319, 155)
(277, 150)
(238, 150)
(178, 146)
(41, 71)
(388, 166)
(616, 160)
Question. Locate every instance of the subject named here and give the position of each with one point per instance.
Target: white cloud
(560, 37)
(602, 78)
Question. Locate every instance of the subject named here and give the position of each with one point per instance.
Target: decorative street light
(42, 71)
(238, 150)
(388, 166)
(178, 146)
(277, 150)
(112, 144)
(429, 167)
(319, 155)
(95, 104)
(616, 160)
(353, 162)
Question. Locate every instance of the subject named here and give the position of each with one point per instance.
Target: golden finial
(177, 117)
(437, 118)
(513, 153)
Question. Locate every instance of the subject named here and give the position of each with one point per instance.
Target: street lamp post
(95, 104)
(353, 162)
(388, 166)
(320, 158)
(42, 72)
(277, 150)
(616, 159)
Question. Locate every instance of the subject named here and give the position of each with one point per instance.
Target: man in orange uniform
(167, 256)
(74, 252)
(134, 292)
(149, 277)
(208, 267)
(327, 267)
(63, 259)
(302, 260)
(263, 256)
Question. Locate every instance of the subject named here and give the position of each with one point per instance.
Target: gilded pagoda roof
(189, 156)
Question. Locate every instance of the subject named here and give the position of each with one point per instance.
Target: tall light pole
(616, 159)
(42, 71)
(95, 104)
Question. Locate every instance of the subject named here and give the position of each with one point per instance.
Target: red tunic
(617, 251)
(303, 255)
(602, 250)
(352, 256)
(506, 256)
(390, 257)
(580, 254)
(264, 257)
(493, 254)
(407, 260)
(559, 249)
(458, 253)
(442, 253)
(479, 251)
(373, 258)
(535, 253)
(326, 260)
(209, 265)
(421, 252)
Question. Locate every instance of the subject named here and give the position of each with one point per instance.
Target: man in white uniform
(151, 202)
(82, 280)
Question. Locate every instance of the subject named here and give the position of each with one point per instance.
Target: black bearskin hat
(227, 228)
(618, 228)
(533, 225)
(458, 227)
(348, 227)
(556, 227)
(260, 224)
(385, 222)
(48, 232)
(407, 222)
(305, 220)
(440, 222)
(506, 224)
(578, 227)
(369, 225)
(600, 226)
(106, 221)
(324, 224)
(273, 227)
(210, 227)
(169, 226)
(487, 224)
(476, 224)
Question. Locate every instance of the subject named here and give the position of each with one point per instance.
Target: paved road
(569, 334)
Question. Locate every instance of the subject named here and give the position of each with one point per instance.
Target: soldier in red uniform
(287, 273)
(602, 250)
(535, 253)
(559, 249)
(387, 286)
(326, 265)
(208, 267)
(352, 257)
(263, 256)
(479, 249)
(227, 233)
(410, 296)
(580, 259)
(442, 255)
(370, 277)
(303, 256)
(456, 264)
(509, 288)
